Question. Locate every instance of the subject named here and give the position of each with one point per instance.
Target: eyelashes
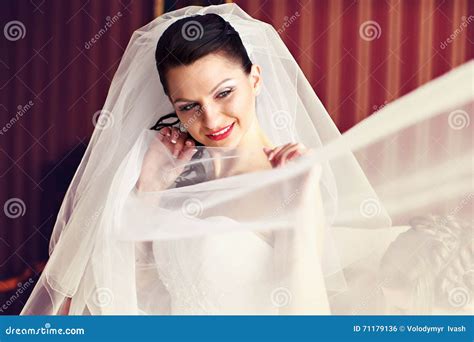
(188, 107)
(224, 93)
(221, 95)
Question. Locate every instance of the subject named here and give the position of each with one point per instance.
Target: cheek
(242, 108)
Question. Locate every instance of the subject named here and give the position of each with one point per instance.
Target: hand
(156, 163)
(280, 155)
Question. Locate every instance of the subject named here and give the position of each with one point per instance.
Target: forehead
(202, 75)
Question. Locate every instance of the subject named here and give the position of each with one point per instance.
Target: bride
(243, 198)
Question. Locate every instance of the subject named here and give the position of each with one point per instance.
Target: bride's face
(215, 100)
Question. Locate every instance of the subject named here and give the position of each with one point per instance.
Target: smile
(221, 134)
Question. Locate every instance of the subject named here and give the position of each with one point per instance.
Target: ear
(256, 79)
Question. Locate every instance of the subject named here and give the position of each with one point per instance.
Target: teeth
(221, 132)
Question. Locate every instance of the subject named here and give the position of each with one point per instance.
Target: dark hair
(191, 38)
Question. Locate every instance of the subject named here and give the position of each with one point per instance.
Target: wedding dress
(227, 274)
(377, 220)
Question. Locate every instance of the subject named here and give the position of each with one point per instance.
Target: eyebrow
(213, 89)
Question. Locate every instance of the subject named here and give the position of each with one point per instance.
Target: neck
(255, 139)
(250, 153)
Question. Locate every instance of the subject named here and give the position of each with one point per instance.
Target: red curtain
(57, 59)
(360, 55)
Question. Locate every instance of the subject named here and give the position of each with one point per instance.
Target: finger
(174, 135)
(159, 136)
(279, 154)
(165, 131)
(276, 150)
(290, 154)
(294, 152)
(178, 146)
(189, 144)
(188, 151)
(166, 140)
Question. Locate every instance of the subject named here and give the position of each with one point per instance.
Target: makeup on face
(222, 91)
(227, 88)
(222, 133)
(215, 98)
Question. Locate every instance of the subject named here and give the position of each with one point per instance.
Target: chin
(229, 143)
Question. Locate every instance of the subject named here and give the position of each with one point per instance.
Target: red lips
(223, 135)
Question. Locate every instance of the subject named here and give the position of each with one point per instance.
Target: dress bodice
(219, 274)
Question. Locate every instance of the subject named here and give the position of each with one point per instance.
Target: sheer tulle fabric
(312, 237)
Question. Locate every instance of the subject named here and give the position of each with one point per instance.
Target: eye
(187, 108)
(224, 93)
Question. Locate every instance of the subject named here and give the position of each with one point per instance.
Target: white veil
(296, 239)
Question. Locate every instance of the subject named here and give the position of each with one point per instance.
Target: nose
(210, 116)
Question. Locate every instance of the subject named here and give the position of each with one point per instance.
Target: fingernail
(173, 141)
(188, 143)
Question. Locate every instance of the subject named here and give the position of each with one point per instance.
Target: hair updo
(191, 38)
